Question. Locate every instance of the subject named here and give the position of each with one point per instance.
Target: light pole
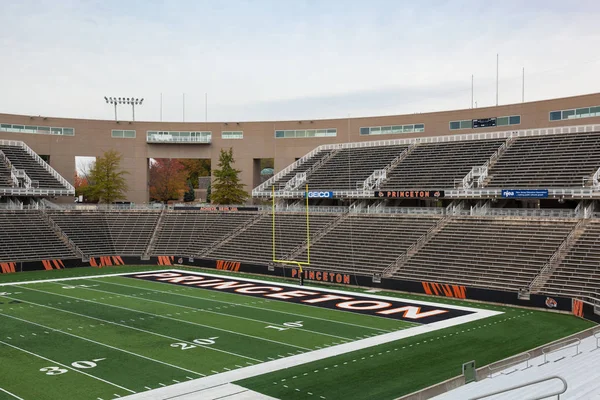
(124, 100)
(112, 100)
(134, 102)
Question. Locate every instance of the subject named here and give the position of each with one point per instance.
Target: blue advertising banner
(319, 195)
(525, 193)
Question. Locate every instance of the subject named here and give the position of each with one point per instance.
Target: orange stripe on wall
(8, 267)
(578, 308)
(426, 287)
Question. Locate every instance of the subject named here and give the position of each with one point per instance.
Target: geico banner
(525, 194)
(319, 195)
(410, 194)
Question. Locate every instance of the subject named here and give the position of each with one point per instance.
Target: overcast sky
(290, 59)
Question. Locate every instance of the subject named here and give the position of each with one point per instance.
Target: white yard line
(11, 394)
(173, 319)
(190, 387)
(128, 327)
(67, 367)
(158, 334)
(213, 312)
(249, 306)
(102, 344)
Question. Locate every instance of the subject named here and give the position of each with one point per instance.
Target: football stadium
(445, 254)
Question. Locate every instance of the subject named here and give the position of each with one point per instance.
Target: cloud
(267, 59)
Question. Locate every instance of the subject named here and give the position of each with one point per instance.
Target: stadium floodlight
(133, 101)
(112, 100)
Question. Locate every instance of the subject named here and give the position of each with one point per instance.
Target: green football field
(104, 337)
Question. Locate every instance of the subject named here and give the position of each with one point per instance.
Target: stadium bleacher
(548, 161)
(254, 244)
(367, 244)
(579, 272)
(440, 165)
(100, 233)
(495, 253)
(20, 159)
(190, 232)
(348, 167)
(25, 236)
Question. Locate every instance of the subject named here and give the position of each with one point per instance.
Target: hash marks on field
(295, 379)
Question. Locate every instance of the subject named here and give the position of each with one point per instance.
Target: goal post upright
(299, 264)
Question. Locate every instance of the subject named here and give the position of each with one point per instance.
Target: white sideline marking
(73, 278)
(130, 327)
(101, 344)
(186, 388)
(218, 313)
(11, 394)
(65, 366)
(245, 305)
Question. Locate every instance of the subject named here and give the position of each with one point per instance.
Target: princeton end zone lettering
(323, 276)
(386, 308)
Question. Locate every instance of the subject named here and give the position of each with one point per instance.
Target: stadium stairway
(577, 365)
(20, 159)
(5, 177)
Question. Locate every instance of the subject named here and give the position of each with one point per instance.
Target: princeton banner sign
(385, 307)
(410, 194)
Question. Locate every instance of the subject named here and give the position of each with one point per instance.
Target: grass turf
(134, 326)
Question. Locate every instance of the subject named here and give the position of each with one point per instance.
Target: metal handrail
(576, 343)
(537, 396)
(48, 168)
(546, 270)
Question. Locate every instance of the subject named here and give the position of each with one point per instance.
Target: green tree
(190, 195)
(208, 190)
(226, 187)
(107, 180)
(195, 168)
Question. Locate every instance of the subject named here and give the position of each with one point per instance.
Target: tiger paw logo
(551, 303)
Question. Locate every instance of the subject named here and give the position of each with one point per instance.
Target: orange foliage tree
(167, 179)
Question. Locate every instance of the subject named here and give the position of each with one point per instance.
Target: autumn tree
(226, 187)
(196, 168)
(106, 180)
(167, 179)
